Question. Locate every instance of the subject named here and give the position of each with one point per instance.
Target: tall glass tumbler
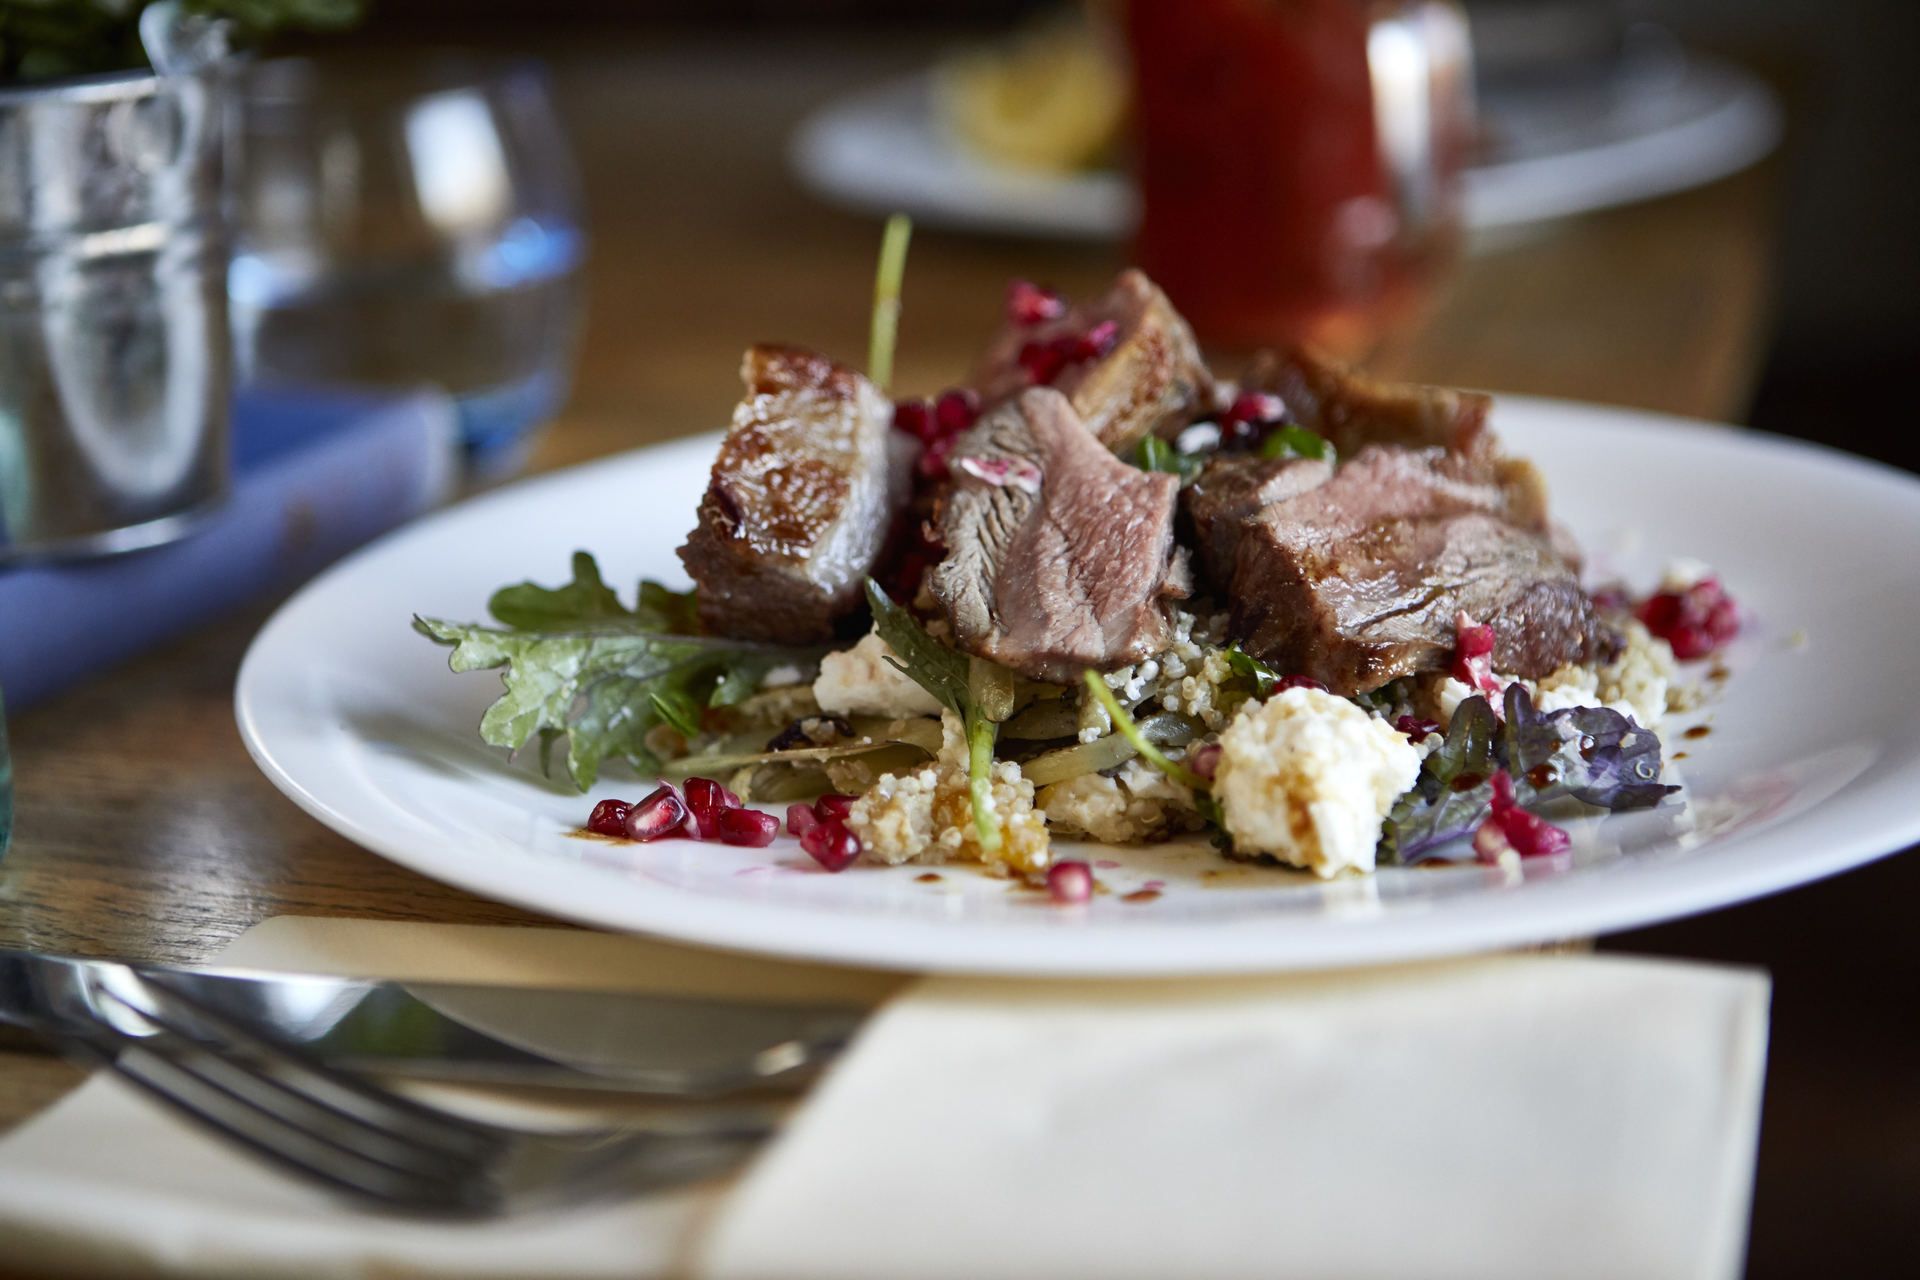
(409, 223)
(1299, 162)
(6, 781)
(113, 260)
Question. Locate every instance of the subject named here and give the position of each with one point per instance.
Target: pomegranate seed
(707, 800)
(1533, 836)
(801, 819)
(1205, 760)
(748, 827)
(609, 818)
(1238, 433)
(1028, 303)
(1416, 728)
(956, 410)
(1473, 657)
(1696, 621)
(1509, 828)
(1042, 362)
(1297, 682)
(834, 805)
(932, 464)
(1097, 341)
(660, 815)
(1256, 407)
(913, 417)
(1070, 882)
(831, 845)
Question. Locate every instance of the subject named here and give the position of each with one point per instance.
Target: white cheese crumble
(1309, 777)
(1642, 682)
(860, 681)
(1683, 575)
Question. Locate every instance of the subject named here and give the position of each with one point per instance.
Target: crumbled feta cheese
(1444, 694)
(1571, 686)
(1309, 777)
(1642, 682)
(1683, 575)
(860, 681)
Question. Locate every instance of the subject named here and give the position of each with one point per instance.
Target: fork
(377, 1147)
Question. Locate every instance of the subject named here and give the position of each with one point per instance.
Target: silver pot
(113, 323)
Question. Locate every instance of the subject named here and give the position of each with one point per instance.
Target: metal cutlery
(239, 1054)
(458, 1033)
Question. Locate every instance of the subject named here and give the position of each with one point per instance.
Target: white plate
(1812, 764)
(1559, 147)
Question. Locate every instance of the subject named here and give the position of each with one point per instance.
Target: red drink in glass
(1298, 161)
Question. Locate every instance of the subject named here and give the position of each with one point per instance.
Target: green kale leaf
(580, 665)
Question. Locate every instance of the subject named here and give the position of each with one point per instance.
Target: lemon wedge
(1053, 99)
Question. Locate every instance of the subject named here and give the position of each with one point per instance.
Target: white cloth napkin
(1514, 1116)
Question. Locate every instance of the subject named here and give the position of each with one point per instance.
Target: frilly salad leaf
(1593, 754)
(581, 665)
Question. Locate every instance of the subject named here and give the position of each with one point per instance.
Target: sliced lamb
(800, 501)
(1361, 579)
(1127, 361)
(1228, 492)
(1353, 411)
(1059, 555)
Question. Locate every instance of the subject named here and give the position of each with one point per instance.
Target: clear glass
(6, 782)
(407, 223)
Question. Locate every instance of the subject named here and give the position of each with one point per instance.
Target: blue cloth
(315, 475)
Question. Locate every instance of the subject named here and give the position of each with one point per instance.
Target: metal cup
(113, 327)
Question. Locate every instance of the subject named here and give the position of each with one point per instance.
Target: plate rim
(1667, 891)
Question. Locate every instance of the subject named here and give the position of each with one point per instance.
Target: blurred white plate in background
(1557, 146)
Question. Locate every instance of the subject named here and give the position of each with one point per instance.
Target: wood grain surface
(144, 830)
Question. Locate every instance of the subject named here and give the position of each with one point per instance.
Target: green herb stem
(980, 735)
(1131, 732)
(886, 299)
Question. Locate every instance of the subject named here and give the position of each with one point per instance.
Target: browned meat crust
(1059, 555)
(1353, 411)
(1153, 381)
(1228, 493)
(1360, 580)
(799, 502)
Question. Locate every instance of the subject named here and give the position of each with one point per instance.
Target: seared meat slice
(1059, 555)
(1231, 489)
(1353, 411)
(1360, 580)
(1151, 381)
(800, 501)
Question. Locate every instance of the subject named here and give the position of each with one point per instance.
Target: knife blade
(649, 1044)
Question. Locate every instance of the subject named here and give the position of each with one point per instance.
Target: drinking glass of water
(6, 782)
(406, 224)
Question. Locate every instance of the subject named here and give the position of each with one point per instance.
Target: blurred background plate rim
(1719, 119)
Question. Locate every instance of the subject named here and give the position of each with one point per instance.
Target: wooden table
(145, 831)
